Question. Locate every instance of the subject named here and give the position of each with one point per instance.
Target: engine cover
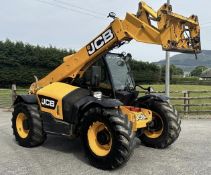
(50, 98)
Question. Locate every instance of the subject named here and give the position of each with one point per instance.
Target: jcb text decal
(100, 41)
(47, 102)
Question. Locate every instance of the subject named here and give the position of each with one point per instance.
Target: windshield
(120, 72)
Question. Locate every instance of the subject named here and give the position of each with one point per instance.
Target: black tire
(36, 135)
(121, 134)
(171, 126)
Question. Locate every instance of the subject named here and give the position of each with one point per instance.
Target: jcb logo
(100, 41)
(47, 102)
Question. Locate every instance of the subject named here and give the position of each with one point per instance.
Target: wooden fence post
(188, 95)
(14, 93)
(186, 101)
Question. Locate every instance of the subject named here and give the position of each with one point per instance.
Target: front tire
(165, 127)
(27, 125)
(107, 137)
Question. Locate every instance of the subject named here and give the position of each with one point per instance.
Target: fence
(186, 102)
(7, 96)
(190, 102)
(193, 102)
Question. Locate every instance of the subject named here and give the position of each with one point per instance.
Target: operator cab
(111, 74)
(121, 77)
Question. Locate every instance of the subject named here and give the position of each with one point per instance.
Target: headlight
(98, 95)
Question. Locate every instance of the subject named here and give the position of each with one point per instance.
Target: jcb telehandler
(92, 94)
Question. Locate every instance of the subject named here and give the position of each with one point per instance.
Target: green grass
(5, 95)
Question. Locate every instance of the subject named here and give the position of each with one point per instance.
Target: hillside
(188, 61)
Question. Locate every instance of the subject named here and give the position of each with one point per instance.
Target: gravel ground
(190, 155)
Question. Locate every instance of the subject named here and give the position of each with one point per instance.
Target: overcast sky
(72, 23)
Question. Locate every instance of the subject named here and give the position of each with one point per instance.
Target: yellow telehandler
(92, 94)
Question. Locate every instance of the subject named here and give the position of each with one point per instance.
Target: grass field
(5, 95)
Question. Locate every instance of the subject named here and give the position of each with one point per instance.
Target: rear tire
(27, 125)
(121, 138)
(170, 126)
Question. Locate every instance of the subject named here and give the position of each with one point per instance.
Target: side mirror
(95, 76)
(128, 57)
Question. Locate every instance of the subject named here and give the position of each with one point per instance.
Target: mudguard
(28, 99)
(150, 98)
(88, 102)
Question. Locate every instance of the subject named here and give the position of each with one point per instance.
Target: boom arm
(172, 31)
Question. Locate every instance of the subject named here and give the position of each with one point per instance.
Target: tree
(145, 72)
(173, 71)
(19, 62)
(198, 70)
(176, 70)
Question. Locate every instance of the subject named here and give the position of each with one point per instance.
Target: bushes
(19, 62)
(145, 72)
(190, 81)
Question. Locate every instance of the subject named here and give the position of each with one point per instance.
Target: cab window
(105, 84)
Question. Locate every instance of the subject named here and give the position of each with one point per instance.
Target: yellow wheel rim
(93, 139)
(19, 125)
(157, 133)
